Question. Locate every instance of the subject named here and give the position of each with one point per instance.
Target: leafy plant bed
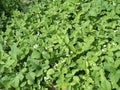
(61, 44)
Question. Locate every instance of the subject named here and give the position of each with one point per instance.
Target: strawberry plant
(60, 45)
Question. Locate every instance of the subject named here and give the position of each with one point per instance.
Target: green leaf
(30, 77)
(117, 63)
(117, 54)
(23, 70)
(93, 12)
(117, 39)
(89, 39)
(109, 67)
(76, 79)
(66, 39)
(39, 73)
(35, 54)
(50, 72)
(23, 84)
(105, 85)
(114, 78)
(9, 62)
(72, 48)
(16, 82)
(45, 55)
(118, 9)
(81, 63)
(64, 70)
(14, 51)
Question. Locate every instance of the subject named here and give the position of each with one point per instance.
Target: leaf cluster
(61, 44)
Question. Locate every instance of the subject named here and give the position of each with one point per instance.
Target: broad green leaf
(39, 73)
(76, 79)
(117, 54)
(45, 55)
(114, 77)
(109, 59)
(14, 51)
(109, 67)
(16, 82)
(35, 54)
(93, 12)
(30, 76)
(105, 85)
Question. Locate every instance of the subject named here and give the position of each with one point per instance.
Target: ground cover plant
(60, 45)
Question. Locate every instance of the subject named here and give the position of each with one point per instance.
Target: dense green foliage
(53, 44)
